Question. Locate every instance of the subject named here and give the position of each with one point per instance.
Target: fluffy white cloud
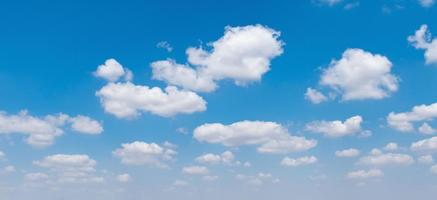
(404, 121)
(426, 145)
(377, 158)
(41, 131)
(422, 39)
(315, 96)
(391, 146)
(226, 157)
(124, 178)
(71, 168)
(362, 174)
(84, 124)
(336, 128)
(141, 153)
(426, 159)
(360, 75)
(426, 129)
(112, 71)
(348, 153)
(291, 162)
(195, 170)
(126, 100)
(243, 55)
(269, 136)
(426, 3)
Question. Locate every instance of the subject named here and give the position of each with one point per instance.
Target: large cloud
(41, 131)
(141, 153)
(270, 137)
(422, 39)
(404, 121)
(336, 128)
(126, 100)
(360, 75)
(71, 168)
(243, 55)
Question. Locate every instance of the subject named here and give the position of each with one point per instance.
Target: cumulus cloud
(363, 174)
(270, 137)
(112, 71)
(426, 145)
(226, 157)
(124, 178)
(71, 168)
(336, 128)
(348, 153)
(315, 96)
(294, 162)
(195, 170)
(391, 146)
(426, 3)
(42, 131)
(422, 39)
(126, 100)
(404, 121)
(360, 75)
(243, 55)
(426, 129)
(146, 154)
(377, 158)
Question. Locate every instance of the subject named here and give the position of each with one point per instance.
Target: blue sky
(316, 99)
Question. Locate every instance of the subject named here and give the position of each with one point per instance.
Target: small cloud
(164, 45)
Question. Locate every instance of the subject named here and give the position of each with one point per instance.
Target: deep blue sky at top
(49, 49)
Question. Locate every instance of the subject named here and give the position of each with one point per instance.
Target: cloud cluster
(270, 137)
(336, 128)
(69, 168)
(404, 121)
(141, 153)
(422, 39)
(243, 55)
(41, 131)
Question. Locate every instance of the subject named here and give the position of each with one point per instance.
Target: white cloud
(112, 71)
(426, 145)
(404, 121)
(426, 159)
(124, 178)
(141, 153)
(126, 100)
(391, 146)
(42, 131)
(226, 157)
(426, 129)
(426, 3)
(164, 45)
(336, 128)
(84, 124)
(291, 162)
(71, 168)
(360, 75)
(422, 39)
(348, 153)
(315, 96)
(243, 55)
(270, 137)
(362, 174)
(195, 170)
(36, 176)
(377, 158)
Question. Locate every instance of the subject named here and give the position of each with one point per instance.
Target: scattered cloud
(315, 96)
(164, 45)
(270, 137)
(404, 121)
(378, 159)
(195, 170)
(227, 158)
(391, 146)
(426, 159)
(124, 178)
(243, 55)
(426, 145)
(291, 162)
(337, 128)
(348, 153)
(144, 154)
(426, 3)
(422, 39)
(112, 71)
(363, 174)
